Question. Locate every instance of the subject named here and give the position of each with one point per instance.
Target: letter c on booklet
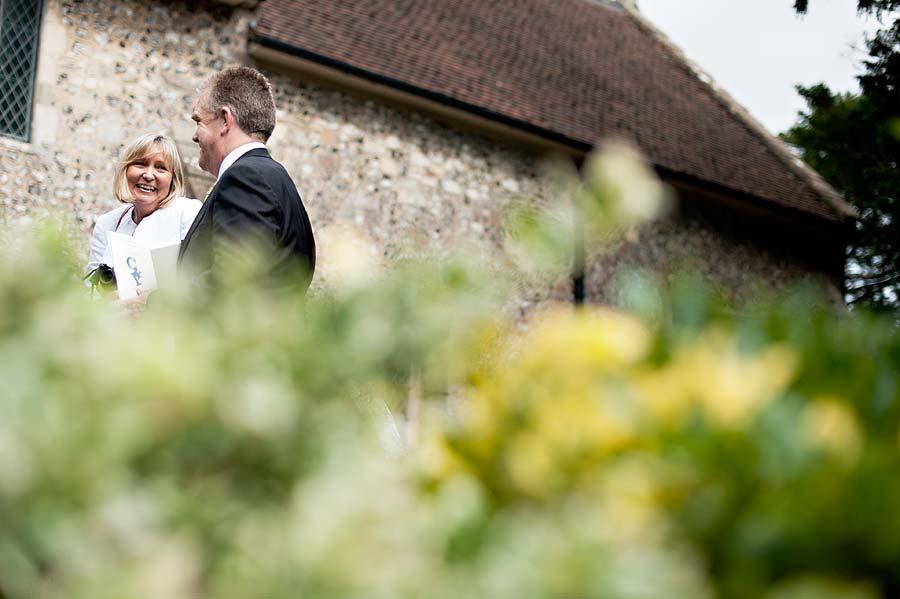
(132, 264)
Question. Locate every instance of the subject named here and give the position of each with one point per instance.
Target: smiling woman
(150, 182)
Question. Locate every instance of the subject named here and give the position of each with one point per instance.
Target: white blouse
(164, 227)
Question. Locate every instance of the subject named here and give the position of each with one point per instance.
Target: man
(254, 203)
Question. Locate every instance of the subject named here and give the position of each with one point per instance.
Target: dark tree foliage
(870, 6)
(853, 140)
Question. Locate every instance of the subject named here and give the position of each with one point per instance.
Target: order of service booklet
(139, 266)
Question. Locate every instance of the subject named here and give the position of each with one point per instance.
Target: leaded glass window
(20, 22)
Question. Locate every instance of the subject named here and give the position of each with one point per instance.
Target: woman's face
(149, 179)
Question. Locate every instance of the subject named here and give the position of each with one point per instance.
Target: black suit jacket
(255, 202)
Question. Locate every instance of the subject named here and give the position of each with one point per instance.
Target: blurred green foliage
(399, 436)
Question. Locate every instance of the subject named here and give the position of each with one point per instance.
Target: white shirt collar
(237, 153)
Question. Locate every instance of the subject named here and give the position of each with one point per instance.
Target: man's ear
(228, 119)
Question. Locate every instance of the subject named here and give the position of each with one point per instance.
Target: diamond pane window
(19, 25)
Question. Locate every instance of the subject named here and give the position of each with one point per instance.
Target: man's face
(208, 137)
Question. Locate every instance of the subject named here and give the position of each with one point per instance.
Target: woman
(149, 180)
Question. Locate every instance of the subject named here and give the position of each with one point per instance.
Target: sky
(759, 50)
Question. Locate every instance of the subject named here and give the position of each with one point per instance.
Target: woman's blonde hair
(144, 146)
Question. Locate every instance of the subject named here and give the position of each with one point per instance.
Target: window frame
(8, 62)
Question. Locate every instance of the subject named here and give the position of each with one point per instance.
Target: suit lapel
(197, 219)
(211, 196)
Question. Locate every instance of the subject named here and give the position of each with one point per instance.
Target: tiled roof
(576, 71)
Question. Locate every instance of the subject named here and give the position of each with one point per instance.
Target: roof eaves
(747, 199)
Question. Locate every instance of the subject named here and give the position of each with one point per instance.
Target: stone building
(416, 122)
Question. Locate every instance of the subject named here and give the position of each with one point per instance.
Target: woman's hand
(136, 306)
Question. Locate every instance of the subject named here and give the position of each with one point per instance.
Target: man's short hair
(248, 94)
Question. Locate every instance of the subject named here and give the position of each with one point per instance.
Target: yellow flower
(712, 374)
(531, 466)
(630, 496)
(549, 406)
(583, 424)
(434, 456)
(481, 424)
(828, 423)
(589, 338)
(739, 386)
(667, 393)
